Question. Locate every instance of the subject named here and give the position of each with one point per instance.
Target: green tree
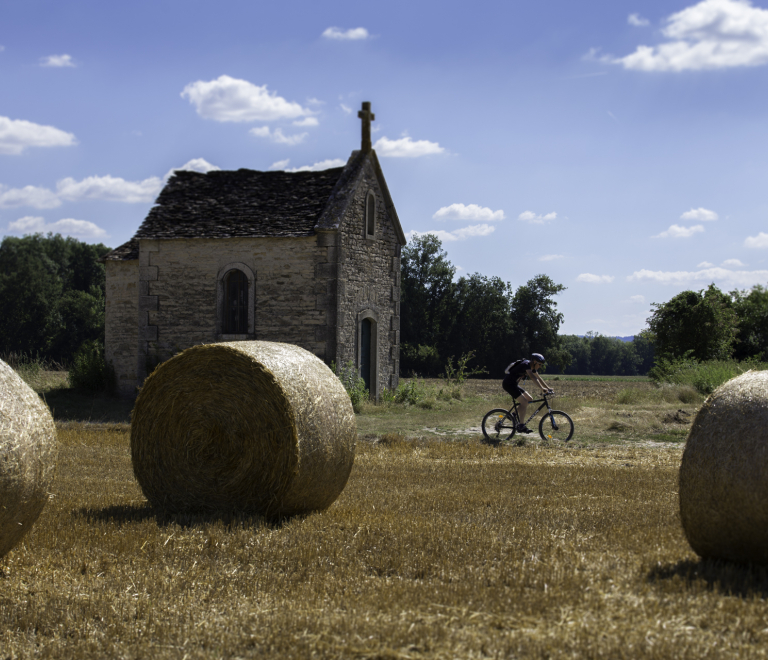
(644, 348)
(537, 321)
(580, 350)
(51, 295)
(702, 324)
(481, 321)
(441, 318)
(752, 309)
(425, 287)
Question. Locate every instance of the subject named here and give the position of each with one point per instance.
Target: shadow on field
(125, 514)
(742, 580)
(70, 405)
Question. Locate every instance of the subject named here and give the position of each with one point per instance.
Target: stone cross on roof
(367, 116)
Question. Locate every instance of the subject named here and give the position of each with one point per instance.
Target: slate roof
(244, 203)
(249, 204)
(126, 252)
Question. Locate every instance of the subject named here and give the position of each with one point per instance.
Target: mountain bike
(500, 425)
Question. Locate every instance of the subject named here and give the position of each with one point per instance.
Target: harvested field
(436, 549)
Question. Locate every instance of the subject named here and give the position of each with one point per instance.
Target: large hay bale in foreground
(247, 426)
(28, 452)
(724, 473)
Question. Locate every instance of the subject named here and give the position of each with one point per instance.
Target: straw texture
(28, 452)
(248, 426)
(724, 473)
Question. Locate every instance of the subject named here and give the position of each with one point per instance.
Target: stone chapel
(307, 258)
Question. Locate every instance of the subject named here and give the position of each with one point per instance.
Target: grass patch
(704, 377)
(435, 549)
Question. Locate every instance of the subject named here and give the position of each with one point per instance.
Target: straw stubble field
(435, 549)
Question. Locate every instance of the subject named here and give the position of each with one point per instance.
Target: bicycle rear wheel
(556, 425)
(498, 426)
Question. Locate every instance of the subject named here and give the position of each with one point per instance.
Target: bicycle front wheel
(556, 425)
(498, 426)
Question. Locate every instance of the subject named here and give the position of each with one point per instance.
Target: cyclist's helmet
(538, 357)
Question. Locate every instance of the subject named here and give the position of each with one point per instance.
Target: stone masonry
(315, 271)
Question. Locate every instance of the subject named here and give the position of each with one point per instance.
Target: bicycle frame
(536, 412)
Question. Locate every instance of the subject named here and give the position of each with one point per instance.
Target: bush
(705, 376)
(418, 359)
(459, 373)
(90, 371)
(353, 383)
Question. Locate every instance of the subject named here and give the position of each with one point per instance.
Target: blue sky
(619, 147)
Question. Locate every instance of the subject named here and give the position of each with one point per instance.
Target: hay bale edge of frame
(28, 455)
(723, 479)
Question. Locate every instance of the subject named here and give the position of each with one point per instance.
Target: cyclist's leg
(523, 401)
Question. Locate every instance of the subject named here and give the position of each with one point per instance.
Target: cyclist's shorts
(513, 388)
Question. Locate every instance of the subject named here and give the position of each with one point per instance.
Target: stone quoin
(307, 258)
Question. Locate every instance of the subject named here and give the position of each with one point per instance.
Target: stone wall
(179, 302)
(369, 285)
(121, 322)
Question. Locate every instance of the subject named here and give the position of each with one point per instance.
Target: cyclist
(520, 370)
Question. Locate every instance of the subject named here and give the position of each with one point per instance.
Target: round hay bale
(248, 426)
(28, 452)
(724, 473)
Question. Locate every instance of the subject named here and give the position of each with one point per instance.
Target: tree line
(52, 293)
(442, 318)
(712, 325)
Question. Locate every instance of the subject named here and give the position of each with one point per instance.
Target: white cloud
(705, 264)
(346, 108)
(353, 34)
(700, 214)
(759, 241)
(472, 231)
(57, 61)
(34, 196)
(318, 167)
(732, 263)
(676, 231)
(682, 278)
(113, 189)
(637, 299)
(18, 134)
(195, 165)
(277, 135)
(280, 164)
(468, 213)
(307, 121)
(530, 216)
(406, 148)
(595, 279)
(637, 20)
(550, 257)
(231, 99)
(713, 34)
(67, 227)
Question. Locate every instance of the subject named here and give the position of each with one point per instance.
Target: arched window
(236, 303)
(370, 215)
